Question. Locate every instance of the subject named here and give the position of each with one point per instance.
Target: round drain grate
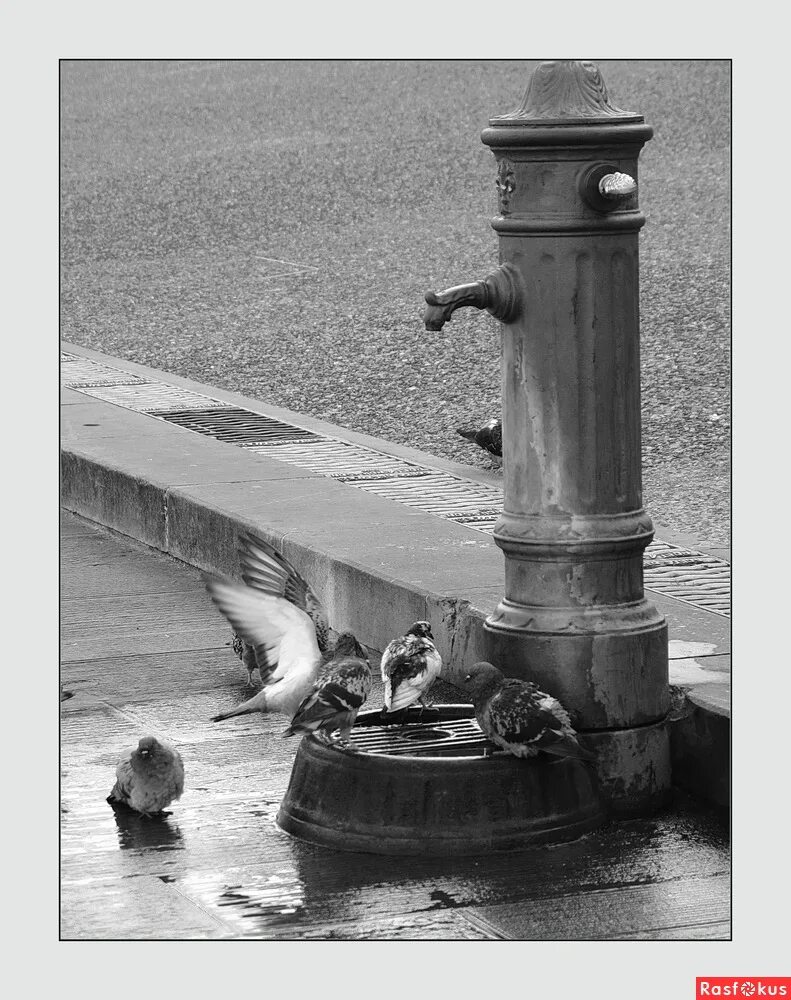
(446, 731)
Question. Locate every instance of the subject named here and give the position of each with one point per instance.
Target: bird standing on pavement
(410, 665)
(520, 718)
(343, 684)
(148, 777)
(267, 570)
(489, 437)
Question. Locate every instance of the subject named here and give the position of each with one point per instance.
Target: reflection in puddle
(137, 832)
(259, 902)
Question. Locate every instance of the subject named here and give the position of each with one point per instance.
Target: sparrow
(410, 665)
(520, 718)
(281, 635)
(489, 437)
(148, 777)
(343, 684)
(267, 570)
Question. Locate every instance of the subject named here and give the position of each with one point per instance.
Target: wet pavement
(145, 652)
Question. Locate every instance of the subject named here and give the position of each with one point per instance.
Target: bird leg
(425, 702)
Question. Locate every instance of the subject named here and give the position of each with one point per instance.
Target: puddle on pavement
(263, 900)
(155, 833)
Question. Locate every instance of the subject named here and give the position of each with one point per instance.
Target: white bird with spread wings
(281, 623)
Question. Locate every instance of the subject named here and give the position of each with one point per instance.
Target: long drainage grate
(692, 577)
(237, 426)
(78, 372)
(339, 460)
(151, 397)
(688, 576)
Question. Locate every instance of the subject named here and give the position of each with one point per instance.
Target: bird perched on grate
(520, 718)
(267, 570)
(410, 665)
(149, 777)
(489, 437)
(343, 684)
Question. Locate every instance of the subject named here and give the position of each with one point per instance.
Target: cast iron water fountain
(574, 617)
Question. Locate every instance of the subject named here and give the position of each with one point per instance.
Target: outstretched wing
(278, 630)
(267, 570)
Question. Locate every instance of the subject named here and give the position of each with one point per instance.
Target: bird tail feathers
(403, 697)
(567, 746)
(258, 703)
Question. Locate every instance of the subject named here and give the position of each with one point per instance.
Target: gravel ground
(186, 186)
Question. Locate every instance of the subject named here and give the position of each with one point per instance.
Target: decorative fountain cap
(566, 92)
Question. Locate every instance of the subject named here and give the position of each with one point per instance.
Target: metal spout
(499, 294)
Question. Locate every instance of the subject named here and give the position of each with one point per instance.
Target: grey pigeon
(489, 437)
(520, 718)
(148, 777)
(409, 666)
(343, 684)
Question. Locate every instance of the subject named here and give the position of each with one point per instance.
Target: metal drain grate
(453, 738)
(236, 426)
(79, 372)
(149, 397)
(441, 494)
(688, 576)
(339, 460)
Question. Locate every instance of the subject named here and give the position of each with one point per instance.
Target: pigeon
(265, 569)
(410, 665)
(520, 718)
(489, 437)
(282, 636)
(343, 684)
(148, 777)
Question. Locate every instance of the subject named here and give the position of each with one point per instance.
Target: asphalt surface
(272, 227)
